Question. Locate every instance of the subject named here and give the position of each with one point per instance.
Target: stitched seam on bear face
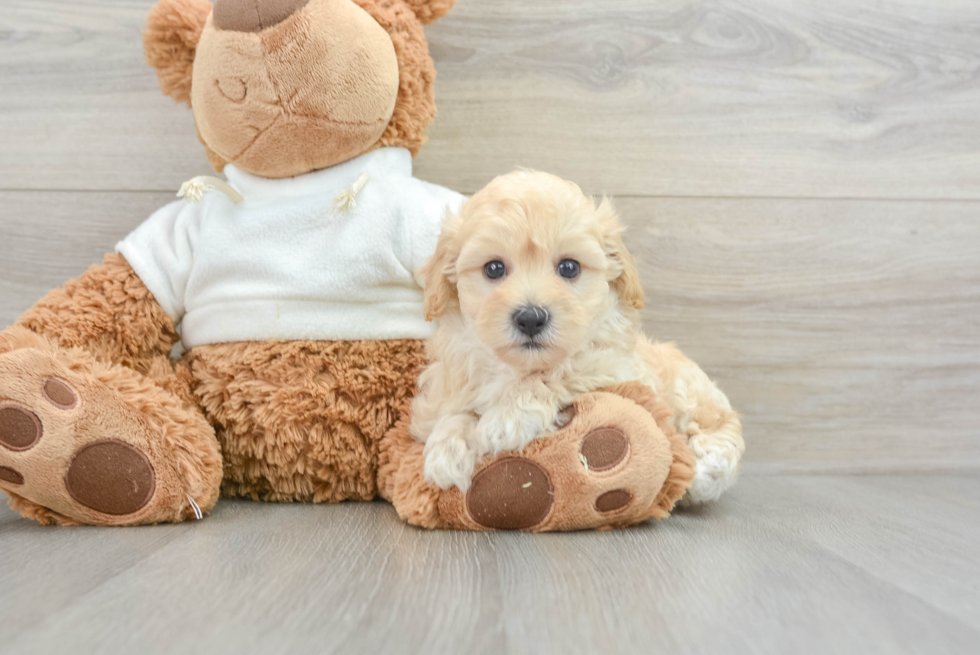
(255, 139)
(217, 84)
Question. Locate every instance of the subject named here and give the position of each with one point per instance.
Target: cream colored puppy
(538, 301)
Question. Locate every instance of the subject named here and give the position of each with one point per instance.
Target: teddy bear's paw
(519, 492)
(608, 467)
(69, 443)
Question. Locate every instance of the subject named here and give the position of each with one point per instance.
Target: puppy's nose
(531, 319)
(253, 15)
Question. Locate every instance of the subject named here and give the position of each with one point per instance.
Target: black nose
(531, 320)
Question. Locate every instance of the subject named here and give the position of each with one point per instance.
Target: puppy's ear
(440, 272)
(428, 11)
(626, 282)
(173, 29)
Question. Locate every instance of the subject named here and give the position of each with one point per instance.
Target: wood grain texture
(816, 98)
(847, 332)
(50, 237)
(784, 564)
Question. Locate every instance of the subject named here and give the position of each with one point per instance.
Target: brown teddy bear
(292, 287)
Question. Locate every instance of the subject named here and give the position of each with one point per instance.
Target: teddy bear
(291, 287)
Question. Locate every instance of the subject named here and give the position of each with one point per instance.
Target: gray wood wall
(802, 179)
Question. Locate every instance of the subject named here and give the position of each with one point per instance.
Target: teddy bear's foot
(616, 463)
(86, 443)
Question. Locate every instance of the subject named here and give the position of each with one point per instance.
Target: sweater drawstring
(345, 200)
(194, 189)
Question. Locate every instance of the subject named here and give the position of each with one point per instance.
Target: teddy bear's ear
(173, 29)
(430, 10)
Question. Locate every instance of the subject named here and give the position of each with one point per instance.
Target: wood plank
(783, 564)
(50, 237)
(847, 332)
(683, 97)
(54, 567)
(891, 525)
(764, 98)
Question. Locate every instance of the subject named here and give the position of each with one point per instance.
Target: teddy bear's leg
(96, 427)
(616, 463)
(301, 420)
(82, 441)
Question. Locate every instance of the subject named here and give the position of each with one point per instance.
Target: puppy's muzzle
(531, 320)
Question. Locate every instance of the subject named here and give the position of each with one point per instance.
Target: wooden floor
(786, 564)
(802, 183)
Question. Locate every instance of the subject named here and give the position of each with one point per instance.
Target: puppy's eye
(494, 270)
(569, 269)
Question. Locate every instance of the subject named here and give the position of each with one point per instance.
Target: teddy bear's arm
(109, 312)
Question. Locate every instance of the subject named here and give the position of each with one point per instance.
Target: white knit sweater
(287, 264)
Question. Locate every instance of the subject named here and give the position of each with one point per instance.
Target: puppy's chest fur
(589, 370)
(592, 370)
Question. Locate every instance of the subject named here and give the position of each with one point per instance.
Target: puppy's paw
(504, 428)
(713, 475)
(449, 463)
(563, 418)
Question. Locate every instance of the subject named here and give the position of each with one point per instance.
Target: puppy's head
(534, 267)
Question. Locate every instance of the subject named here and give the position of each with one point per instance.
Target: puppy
(538, 301)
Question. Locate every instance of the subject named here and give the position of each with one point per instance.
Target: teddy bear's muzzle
(253, 15)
